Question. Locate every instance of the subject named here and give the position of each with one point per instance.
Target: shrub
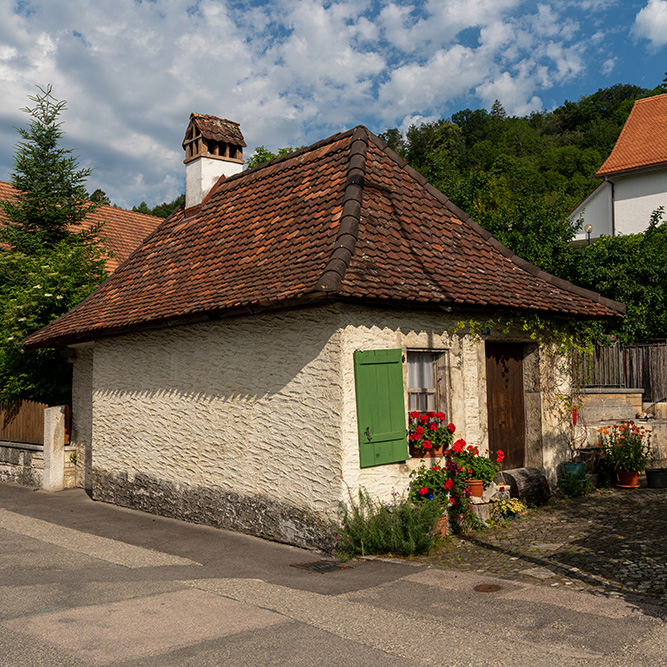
(400, 527)
(574, 485)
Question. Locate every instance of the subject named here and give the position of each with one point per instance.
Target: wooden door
(505, 402)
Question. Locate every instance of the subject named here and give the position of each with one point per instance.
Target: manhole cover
(322, 566)
(486, 588)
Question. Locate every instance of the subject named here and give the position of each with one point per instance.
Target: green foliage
(401, 527)
(100, 197)
(51, 188)
(429, 483)
(574, 485)
(261, 155)
(34, 290)
(630, 269)
(46, 267)
(160, 210)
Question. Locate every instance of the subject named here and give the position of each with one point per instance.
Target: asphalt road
(85, 583)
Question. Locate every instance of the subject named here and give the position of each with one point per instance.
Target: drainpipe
(613, 209)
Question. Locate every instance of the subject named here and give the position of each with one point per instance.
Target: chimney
(213, 148)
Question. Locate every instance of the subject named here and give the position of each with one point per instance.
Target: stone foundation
(256, 515)
(23, 464)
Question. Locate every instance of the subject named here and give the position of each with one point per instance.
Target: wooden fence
(640, 365)
(23, 421)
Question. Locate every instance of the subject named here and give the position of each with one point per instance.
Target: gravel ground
(612, 542)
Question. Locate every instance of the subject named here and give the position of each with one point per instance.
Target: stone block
(610, 405)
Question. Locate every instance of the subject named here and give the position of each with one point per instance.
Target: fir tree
(47, 265)
(52, 196)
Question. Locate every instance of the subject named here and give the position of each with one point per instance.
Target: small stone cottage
(254, 360)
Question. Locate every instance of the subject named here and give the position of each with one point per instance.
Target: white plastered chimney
(213, 148)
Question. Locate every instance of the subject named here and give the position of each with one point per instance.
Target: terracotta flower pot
(418, 453)
(476, 487)
(627, 479)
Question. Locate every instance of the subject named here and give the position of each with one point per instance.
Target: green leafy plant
(429, 430)
(574, 485)
(428, 483)
(474, 465)
(401, 527)
(626, 446)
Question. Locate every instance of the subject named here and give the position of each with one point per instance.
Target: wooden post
(54, 449)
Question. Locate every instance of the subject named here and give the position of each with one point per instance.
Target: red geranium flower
(441, 415)
(500, 456)
(423, 418)
(430, 415)
(433, 427)
(419, 430)
(436, 468)
(470, 471)
(449, 484)
(414, 415)
(452, 500)
(451, 428)
(423, 491)
(426, 445)
(458, 446)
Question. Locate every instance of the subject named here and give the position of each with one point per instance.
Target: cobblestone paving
(612, 542)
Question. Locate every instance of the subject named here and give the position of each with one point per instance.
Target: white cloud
(651, 22)
(608, 66)
(291, 71)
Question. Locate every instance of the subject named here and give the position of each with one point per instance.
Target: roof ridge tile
(348, 228)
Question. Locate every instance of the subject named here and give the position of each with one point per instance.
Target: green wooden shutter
(378, 378)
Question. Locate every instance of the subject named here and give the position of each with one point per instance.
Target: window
(422, 382)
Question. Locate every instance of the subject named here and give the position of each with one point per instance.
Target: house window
(422, 381)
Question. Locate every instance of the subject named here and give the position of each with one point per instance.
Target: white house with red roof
(634, 176)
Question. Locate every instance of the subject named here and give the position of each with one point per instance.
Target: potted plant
(430, 434)
(479, 470)
(510, 507)
(628, 448)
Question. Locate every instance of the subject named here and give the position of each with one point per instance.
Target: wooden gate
(505, 402)
(23, 421)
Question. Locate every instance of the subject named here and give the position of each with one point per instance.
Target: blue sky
(295, 71)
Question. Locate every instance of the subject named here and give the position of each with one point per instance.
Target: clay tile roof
(123, 230)
(343, 219)
(216, 129)
(642, 143)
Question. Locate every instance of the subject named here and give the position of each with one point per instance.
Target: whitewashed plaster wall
(265, 405)
(636, 196)
(250, 405)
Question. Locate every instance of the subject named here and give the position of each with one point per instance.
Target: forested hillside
(520, 177)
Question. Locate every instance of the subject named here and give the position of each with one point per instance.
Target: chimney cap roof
(213, 128)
